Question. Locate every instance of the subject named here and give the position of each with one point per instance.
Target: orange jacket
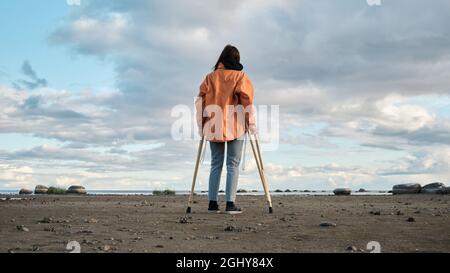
(225, 105)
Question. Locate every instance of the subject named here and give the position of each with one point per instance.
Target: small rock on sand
(351, 248)
(22, 228)
(183, 220)
(327, 224)
(46, 220)
(106, 248)
(232, 228)
(410, 219)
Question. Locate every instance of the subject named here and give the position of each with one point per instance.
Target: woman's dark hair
(230, 58)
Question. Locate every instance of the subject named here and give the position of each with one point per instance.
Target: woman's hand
(252, 129)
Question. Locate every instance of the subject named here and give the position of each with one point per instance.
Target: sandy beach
(407, 223)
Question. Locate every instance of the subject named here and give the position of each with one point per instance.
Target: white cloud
(12, 176)
(65, 182)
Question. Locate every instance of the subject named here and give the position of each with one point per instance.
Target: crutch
(259, 164)
(197, 163)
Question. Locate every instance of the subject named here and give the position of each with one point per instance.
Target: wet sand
(408, 223)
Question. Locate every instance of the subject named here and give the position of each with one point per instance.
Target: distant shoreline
(203, 192)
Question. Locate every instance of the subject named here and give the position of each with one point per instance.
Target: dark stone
(25, 191)
(46, 220)
(410, 188)
(327, 224)
(352, 248)
(434, 188)
(40, 189)
(232, 228)
(76, 190)
(342, 191)
(22, 228)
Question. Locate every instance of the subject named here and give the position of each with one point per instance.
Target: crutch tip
(270, 210)
(188, 210)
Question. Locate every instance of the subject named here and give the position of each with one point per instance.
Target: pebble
(327, 224)
(22, 228)
(51, 229)
(108, 248)
(411, 219)
(352, 248)
(46, 220)
(232, 228)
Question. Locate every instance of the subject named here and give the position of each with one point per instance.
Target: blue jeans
(234, 151)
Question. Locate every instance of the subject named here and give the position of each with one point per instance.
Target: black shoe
(213, 207)
(232, 209)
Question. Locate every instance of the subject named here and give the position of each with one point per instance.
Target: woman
(224, 115)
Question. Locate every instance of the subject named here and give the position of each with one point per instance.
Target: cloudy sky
(86, 91)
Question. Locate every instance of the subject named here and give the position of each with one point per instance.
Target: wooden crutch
(259, 164)
(199, 155)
